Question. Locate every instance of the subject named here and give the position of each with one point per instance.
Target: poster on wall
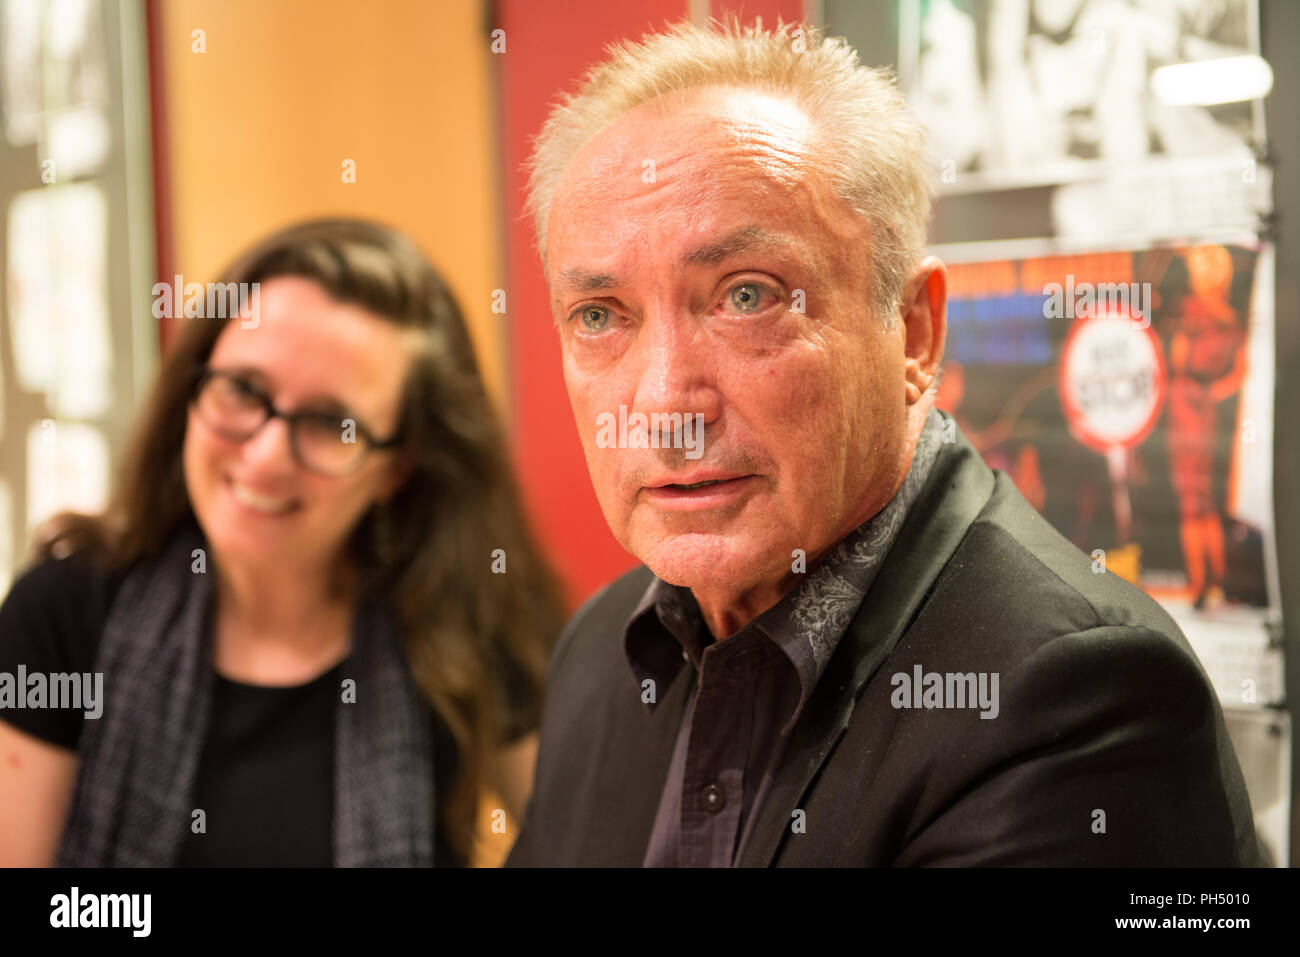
(1036, 92)
(1127, 390)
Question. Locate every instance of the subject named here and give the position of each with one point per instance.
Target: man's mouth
(703, 494)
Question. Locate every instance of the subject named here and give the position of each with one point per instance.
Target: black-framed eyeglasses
(326, 443)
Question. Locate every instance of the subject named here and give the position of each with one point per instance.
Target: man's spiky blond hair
(868, 142)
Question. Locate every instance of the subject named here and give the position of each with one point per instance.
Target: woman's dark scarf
(138, 761)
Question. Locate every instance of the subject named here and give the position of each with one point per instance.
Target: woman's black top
(265, 779)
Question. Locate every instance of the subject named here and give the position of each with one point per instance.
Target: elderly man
(851, 642)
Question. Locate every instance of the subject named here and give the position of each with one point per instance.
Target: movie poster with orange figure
(1128, 393)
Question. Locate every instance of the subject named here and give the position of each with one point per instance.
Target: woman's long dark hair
(430, 551)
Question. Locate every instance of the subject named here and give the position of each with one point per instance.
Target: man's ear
(923, 309)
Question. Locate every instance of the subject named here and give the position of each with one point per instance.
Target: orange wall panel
(258, 125)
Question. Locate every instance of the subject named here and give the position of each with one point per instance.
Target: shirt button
(713, 798)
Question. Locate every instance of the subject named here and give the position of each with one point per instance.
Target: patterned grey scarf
(138, 761)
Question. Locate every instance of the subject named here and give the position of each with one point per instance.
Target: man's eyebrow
(581, 281)
(742, 240)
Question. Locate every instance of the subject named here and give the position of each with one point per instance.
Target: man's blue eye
(746, 297)
(595, 318)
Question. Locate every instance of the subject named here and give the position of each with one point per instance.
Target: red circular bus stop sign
(1112, 381)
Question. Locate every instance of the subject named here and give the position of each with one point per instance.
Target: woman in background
(308, 656)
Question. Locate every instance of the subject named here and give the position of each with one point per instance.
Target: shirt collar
(666, 627)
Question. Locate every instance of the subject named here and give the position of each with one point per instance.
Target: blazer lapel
(956, 490)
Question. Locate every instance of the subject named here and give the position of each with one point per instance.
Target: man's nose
(676, 367)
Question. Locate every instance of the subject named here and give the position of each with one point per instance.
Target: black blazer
(1109, 747)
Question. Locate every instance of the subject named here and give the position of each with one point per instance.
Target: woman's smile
(260, 503)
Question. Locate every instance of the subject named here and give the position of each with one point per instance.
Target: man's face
(700, 262)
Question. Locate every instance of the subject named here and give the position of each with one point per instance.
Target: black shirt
(265, 780)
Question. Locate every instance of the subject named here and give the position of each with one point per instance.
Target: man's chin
(700, 561)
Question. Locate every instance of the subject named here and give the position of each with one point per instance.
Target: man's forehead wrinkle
(669, 134)
(796, 136)
(774, 161)
(622, 176)
(687, 175)
(742, 240)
